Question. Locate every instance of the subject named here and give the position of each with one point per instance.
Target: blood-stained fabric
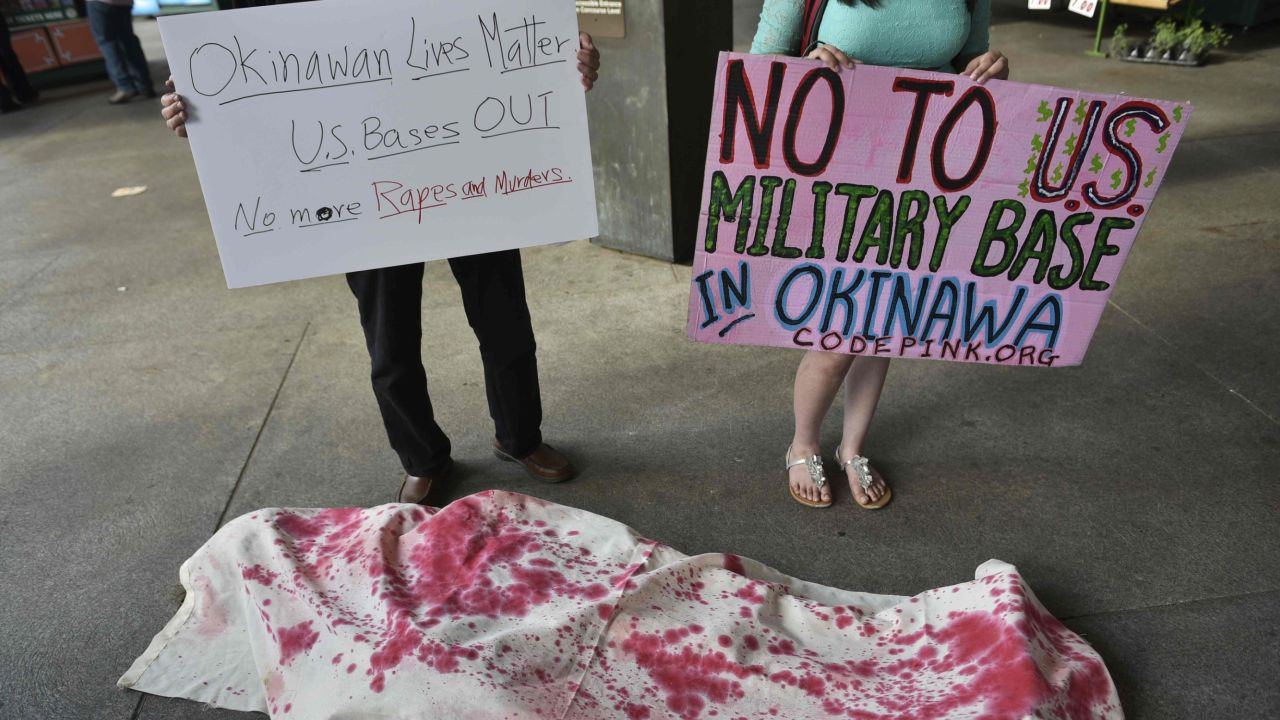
(504, 606)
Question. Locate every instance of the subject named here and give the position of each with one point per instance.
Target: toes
(877, 491)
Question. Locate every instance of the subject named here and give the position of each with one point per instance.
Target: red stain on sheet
(273, 686)
(259, 574)
(295, 640)
(213, 617)
(452, 568)
(689, 678)
(733, 564)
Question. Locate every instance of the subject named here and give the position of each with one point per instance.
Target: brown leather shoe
(545, 463)
(437, 483)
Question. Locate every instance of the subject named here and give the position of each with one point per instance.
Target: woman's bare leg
(817, 380)
(861, 395)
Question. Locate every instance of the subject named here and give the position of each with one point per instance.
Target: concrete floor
(142, 404)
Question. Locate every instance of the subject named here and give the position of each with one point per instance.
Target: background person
(14, 86)
(112, 24)
(943, 35)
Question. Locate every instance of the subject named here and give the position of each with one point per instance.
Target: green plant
(1120, 42)
(1216, 37)
(1199, 39)
(1167, 36)
(1194, 38)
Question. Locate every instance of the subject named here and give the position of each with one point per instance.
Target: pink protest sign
(906, 213)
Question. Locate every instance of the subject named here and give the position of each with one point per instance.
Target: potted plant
(1121, 45)
(1193, 43)
(1166, 39)
(1199, 40)
(1213, 38)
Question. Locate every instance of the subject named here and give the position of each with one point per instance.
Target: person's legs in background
(100, 24)
(112, 27)
(15, 87)
(135, 61)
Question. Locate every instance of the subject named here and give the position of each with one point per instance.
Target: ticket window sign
(1083, 7)
(602, 18)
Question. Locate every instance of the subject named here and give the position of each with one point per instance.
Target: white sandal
(813, 464)
(862, 467)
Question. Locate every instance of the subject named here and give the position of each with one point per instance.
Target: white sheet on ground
(505, 606)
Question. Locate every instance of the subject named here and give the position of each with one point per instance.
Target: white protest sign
(337, 136)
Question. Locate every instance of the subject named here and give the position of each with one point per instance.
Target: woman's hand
(832, 57)
(173, 110)
(588, 61)
(990, 64)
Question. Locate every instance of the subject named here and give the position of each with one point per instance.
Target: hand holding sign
(831, 56)
(172, 109)
(990, 65)
(588, 61)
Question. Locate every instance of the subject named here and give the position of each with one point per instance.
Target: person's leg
(492, 287)
(101, 26)
(390, 301)
(861, 395)
(135, 59)
(7, 103)
(817, 380)
(11, 72)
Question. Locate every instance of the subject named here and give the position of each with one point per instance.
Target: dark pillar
(650, 117)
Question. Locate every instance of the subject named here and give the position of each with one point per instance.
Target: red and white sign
(1083, 7)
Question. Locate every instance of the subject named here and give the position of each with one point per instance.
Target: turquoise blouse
(918, 34)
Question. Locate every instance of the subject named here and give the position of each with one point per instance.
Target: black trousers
(11, 71)
(492, 285)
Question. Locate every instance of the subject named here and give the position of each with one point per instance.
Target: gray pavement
(142, 403)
